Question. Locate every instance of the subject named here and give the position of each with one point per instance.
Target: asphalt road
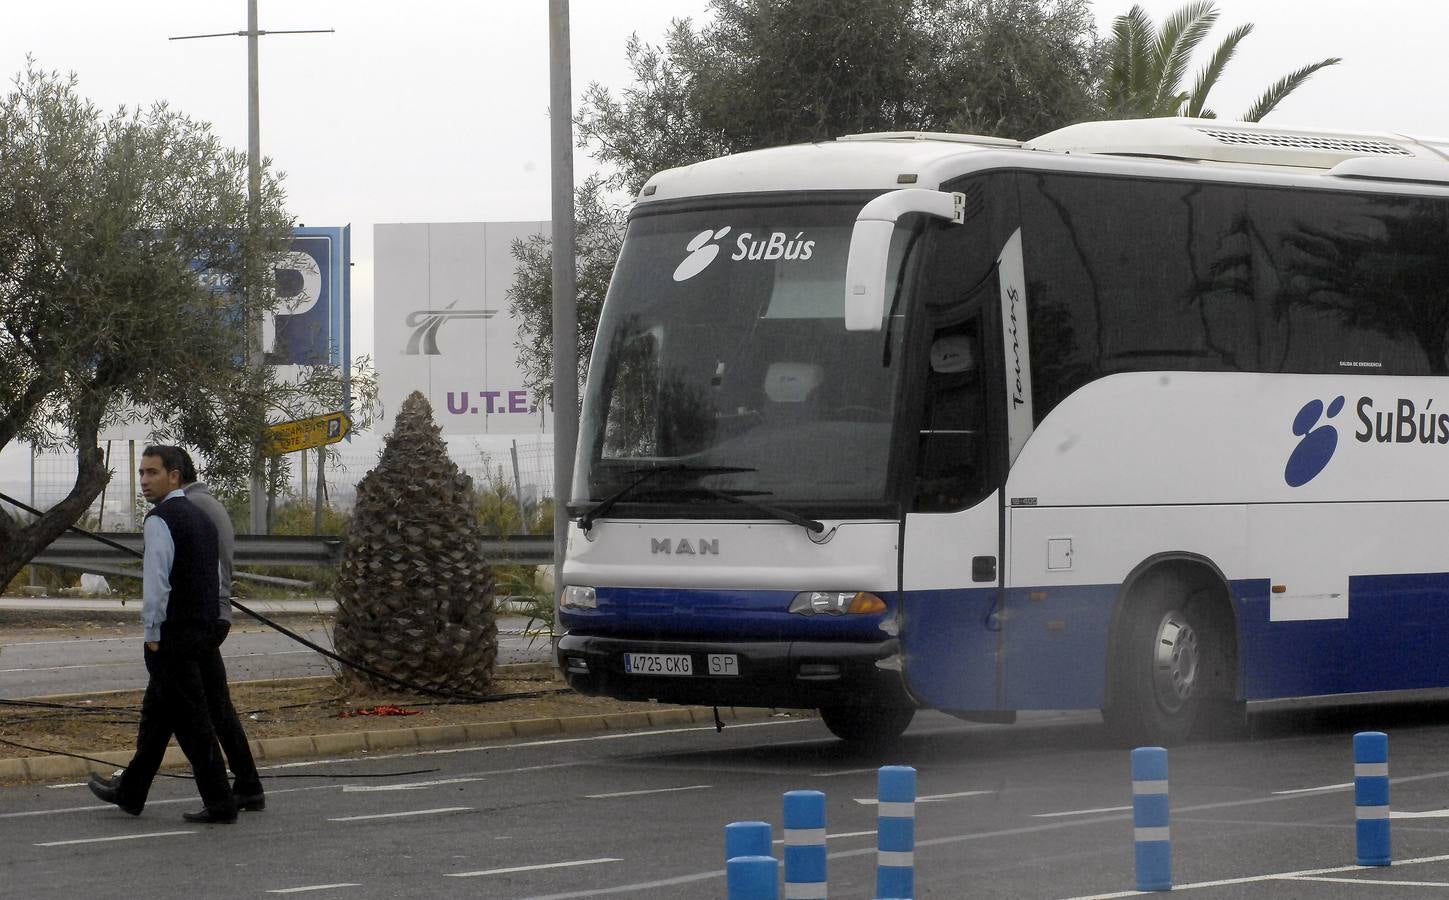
(1036, 810)
(36, 664)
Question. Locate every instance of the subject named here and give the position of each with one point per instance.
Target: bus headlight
(577, 597)
(836, 603)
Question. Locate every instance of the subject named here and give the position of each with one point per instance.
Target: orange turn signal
(866, 602)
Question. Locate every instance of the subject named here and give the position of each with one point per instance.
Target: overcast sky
(437, 110)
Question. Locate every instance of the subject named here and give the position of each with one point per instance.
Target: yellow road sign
(289, 437)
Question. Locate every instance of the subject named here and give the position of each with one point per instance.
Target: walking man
(247, 786)
(179, 614)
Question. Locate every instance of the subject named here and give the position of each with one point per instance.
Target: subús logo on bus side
(778, 245)
(1405, 423)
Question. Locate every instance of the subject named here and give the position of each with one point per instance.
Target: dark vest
(192, 606)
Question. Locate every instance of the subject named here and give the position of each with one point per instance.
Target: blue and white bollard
(1149, 819)
(804, 845)
(753, 878)
(1371, 797)
(895, 871)
(747, 839)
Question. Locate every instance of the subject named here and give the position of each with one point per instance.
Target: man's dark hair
(173, 459)
(188, 468)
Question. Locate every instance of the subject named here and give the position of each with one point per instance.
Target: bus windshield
(722, 344)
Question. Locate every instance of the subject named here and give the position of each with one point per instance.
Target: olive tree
(124, 240)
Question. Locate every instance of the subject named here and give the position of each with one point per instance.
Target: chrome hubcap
(1174, 662)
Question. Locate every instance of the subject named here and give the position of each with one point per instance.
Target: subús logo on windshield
(1316, 442)
(703, 249)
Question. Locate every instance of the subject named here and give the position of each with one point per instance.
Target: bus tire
(867, 725)
(1161, 672)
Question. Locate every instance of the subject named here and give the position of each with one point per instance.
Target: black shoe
(210, 816)
(109, 790)
(249, 802)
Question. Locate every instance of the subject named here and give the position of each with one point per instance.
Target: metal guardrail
(74, 551)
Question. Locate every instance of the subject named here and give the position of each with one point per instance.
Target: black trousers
(229, 731)
(175, 704)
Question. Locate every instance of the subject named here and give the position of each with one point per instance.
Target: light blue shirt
(157, 555)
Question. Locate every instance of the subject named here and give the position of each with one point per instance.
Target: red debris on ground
(385, 710)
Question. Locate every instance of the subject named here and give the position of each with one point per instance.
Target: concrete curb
(268, 750)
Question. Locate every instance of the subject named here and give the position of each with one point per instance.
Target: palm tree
(1146, 66)
(414, 597)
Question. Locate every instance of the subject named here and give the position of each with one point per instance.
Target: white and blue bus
(1150, 417)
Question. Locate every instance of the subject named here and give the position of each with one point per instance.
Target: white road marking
(1311, 790)
(929, 798)
(74, 809)
(616, 736)
(132, 662)
(313, 887)
(1081, 812)
(524, 745)
(71, 784)
(403, 815)
(559, 865)
(73, 642)
(634, 889)
(1427, 814)
(120, 837)
(830, 837)
(1276, 876)
(845, 772)
(407, 786)
(128, 662)
(461, 779)
(1369, 881)
(692, 787)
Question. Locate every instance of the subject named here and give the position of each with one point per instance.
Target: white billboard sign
(441, 325)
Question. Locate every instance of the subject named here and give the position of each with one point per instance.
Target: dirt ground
(107, 721)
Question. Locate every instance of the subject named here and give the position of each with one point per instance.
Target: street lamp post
(256, 355)
(565, 302)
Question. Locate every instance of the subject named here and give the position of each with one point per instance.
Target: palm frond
(1129, 51)
(1285, 86)
(1210, 74)
(1180, 36)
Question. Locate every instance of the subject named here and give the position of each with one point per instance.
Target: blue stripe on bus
(1393, 639)
(1056, 646)
(723, 615)
(1051, 653)
(1052, 649)
(950, 647)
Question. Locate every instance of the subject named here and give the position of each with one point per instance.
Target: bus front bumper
(782, 674)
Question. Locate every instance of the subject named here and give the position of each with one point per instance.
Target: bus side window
(950, 465)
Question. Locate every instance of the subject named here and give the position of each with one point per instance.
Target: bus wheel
(867, 725)
(1161, 671)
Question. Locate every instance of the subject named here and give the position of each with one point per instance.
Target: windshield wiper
(586, 521)
(808, 524)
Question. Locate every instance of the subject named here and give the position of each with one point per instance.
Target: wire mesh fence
(525, 465)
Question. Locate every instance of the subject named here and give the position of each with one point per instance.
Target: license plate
(724, 664)
(658, 664)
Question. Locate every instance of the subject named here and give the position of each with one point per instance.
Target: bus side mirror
(868, 265)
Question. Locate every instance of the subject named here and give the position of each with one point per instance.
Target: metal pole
(101, 516)
(321, 482)
(254, 207)
(565, 302)
(256, 356)
(34, 579)
(518, 491)
(131, 497)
